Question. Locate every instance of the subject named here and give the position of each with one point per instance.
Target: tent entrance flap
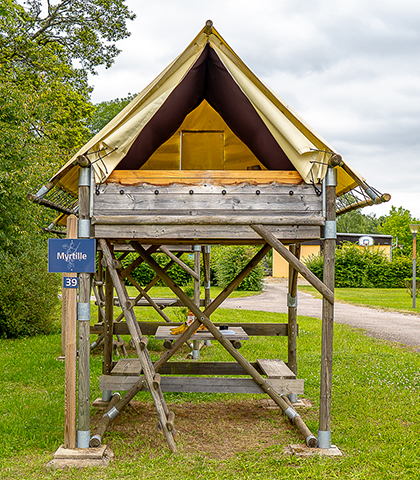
(208, 80)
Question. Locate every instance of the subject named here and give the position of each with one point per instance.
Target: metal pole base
(324, 439)
(83, 438)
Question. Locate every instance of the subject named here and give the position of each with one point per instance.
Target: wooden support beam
(70, 352)
(214, 177)
(297, 265)
(327, 312)
(292, 312)
(85, 283)
(243, 219)
(177, 260)
(148, 298)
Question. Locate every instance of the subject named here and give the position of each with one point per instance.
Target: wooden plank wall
(202, 212)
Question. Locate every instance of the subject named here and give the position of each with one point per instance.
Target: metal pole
(414, 269)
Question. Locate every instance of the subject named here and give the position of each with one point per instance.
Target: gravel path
(392, 326)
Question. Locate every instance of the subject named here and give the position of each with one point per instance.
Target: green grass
(385, 298)
(375, 410)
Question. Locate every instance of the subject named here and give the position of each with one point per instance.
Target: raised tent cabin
(204, 155)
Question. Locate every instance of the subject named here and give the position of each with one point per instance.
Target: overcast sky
(351, 69)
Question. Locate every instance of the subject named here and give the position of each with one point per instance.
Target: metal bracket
(113, 412)
(331, 177)
(197, 248)
(291, 301)
(289, 412)
(83, 312)
(84, 177)
(371, 194)
(330, 231)
(42, 191)
(84, 228)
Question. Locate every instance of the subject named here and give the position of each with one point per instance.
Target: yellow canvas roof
(137, 127)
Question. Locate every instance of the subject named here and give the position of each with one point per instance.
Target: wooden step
(275, 369)
(203, 384)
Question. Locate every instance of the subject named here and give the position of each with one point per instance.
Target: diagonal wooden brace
(213, 305)
(297, 264)
(136, 335)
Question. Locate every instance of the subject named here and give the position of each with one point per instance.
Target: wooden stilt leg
(109, 323)
(324, 433)
(142, 353)
(197, 250)
(292, 312)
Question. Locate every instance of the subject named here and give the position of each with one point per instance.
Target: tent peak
(208, 28)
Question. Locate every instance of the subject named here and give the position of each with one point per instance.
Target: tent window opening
(202, 150)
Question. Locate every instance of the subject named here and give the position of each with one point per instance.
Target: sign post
(70, 256)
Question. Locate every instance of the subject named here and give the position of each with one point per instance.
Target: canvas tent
(205, 155)
(205, 94)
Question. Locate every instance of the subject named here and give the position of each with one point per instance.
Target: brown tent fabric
(208, 79)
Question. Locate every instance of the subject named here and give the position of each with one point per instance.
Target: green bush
(364, 268)
(228, 261)
(143, 274)
(28, 293)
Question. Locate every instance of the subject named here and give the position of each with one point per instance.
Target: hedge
(364, 268)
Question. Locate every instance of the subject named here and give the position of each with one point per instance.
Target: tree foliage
(46, 52)
(357, 222)
(106, 111)
(397, 223)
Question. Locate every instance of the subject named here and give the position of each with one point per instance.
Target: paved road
(393, 326)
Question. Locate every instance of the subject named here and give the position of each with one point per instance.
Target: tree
(357, 222)
(397, 223)
(106, 111)
(45, 56)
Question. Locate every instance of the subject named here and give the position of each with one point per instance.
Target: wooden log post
(206, 265)
(330, 235)
(197, 252)
(70, 352)
(292, 316)
(83, 315)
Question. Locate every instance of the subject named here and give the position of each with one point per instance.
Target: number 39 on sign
(70, 282)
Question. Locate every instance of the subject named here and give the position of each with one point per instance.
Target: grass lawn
(385, 298)
(375, 411)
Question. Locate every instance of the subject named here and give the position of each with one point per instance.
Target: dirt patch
(217, 430)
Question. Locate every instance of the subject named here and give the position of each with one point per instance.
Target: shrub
(28, 293)
(230, 260)
(364, 268)
(143, 274)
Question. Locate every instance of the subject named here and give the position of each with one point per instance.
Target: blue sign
(70, 282)
(71, 255)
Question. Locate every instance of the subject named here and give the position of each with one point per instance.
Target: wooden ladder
(151, 377)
